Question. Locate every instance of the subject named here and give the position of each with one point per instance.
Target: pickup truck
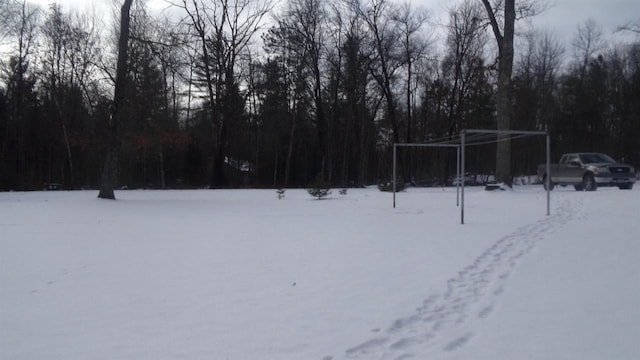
(587, 171)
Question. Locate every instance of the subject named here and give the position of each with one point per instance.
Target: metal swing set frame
(482, 138)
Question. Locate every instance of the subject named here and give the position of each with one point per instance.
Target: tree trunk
(287, 166)
(322, 126)
(163, 182)
(504, 93)
(504, 105)
(109, 172)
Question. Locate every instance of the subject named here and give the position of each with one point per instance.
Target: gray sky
(565, 15)
(562, 17)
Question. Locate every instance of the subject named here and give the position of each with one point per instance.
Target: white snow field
(239, 274)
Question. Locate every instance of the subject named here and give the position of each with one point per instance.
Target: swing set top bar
(427, 145)
(505, 132)
(452, 143)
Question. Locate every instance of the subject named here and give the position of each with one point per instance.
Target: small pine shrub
(319, 193)
(319, 189)
(388, 186)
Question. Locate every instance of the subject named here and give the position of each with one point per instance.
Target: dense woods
(239, 93)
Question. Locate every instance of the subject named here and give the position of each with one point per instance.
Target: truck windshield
(595, 158)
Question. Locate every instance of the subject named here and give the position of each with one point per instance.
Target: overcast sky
(562, 16)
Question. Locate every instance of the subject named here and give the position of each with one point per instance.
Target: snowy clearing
(239, 274)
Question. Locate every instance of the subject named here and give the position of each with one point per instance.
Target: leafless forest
(243, 93)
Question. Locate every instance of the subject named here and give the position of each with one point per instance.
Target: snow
(239, 274)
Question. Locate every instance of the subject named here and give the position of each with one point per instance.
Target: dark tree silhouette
(110, 170)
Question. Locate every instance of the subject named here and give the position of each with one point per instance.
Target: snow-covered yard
(239, 274)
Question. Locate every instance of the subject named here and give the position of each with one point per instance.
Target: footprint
(403, 343)
(362, 348)
(459, 342)
(485, 311)
(405, 356)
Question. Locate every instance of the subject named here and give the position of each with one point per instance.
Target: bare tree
(414, 45)
(355, 93)
(547, 61)
(335, 56)
(384, 54)
(22, 27)
(23, 24)
(70, 50)
(224, 30)
(290, 90)
(155, 64)
(463, 62)
(307, 21)
(9, 13)
(110, 169)
(586, 43)
(166, 48)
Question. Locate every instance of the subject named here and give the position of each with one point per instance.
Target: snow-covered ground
(239, 274)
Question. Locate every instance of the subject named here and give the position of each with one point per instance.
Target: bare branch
(494, 23)
(632, 26)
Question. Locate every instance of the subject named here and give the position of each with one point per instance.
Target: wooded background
(235, 93)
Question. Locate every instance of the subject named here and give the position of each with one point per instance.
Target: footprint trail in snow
(441, 318)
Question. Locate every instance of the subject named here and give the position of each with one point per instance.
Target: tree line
(236, 93)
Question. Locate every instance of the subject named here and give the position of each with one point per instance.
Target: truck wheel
(578, 187)
(544, 183)
(626, 186)
(589, 183)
